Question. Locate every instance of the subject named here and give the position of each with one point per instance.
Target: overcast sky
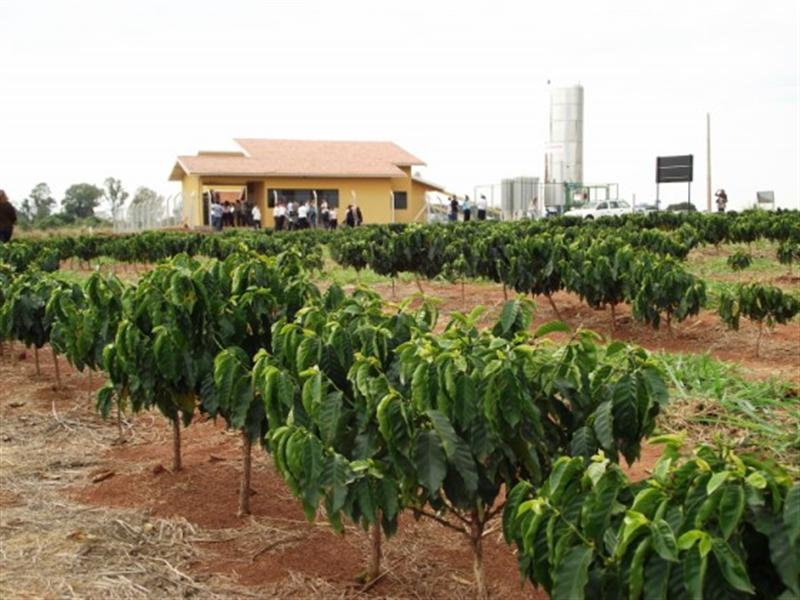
(92, 89)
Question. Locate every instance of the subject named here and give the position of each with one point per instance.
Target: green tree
(114, 194)
(42, 199)
(147, 206)
(81, 199)
(25, 211)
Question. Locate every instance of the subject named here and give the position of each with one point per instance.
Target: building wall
(373, 195)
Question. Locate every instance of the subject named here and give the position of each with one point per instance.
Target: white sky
(92, 89)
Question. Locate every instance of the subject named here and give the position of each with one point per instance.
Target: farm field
(93, 507)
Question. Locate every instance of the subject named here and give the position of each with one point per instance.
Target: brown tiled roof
(301, 158)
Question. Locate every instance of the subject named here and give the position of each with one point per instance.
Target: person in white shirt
(291, 214)
(279, 213)
(332, 220)
(481, 205)
(256, 214)
(324, 216)
(302, 216)
(216, 214)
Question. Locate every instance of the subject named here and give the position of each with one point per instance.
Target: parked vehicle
(682, 207)
(602, 208)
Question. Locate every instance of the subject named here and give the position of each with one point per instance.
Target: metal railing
(156, 212)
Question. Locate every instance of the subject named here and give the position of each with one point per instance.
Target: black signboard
(674, 169)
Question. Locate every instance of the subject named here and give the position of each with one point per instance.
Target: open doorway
(235, 208)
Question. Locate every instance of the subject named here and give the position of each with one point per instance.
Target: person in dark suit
(8, 218)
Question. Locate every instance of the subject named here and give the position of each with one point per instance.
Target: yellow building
(374, 175)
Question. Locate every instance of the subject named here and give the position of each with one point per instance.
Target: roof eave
(175, 174)
(430, 184)
(303, 175)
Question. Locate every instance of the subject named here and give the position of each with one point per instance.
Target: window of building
(400, 200)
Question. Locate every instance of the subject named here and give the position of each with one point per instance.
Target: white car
(602, 208)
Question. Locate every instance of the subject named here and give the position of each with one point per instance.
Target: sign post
(765, 198)
(674, 169)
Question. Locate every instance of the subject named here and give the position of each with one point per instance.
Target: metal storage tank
(564, 149)
(518, 196)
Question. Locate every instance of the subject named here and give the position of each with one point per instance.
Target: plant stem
(758, 339)
(613, 318)
(553, 306)
(505, 291)
(244, 489)
(419, 283)
(58, 371)
(476, 543)
(176, 443)
(376, 555)
(36, 358)
(440, 520)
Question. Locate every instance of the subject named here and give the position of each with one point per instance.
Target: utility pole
(708, 161)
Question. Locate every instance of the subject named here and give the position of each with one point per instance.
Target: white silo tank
(564, 151)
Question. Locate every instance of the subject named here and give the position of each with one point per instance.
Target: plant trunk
(463, 292)
(505, 292)
(36, 358)
(419, 283)
(758, 339)
(89, 393)
(376, 555)
(119, 421)
(669, 324)
(394, 290)
(476, 543)
(58, 371)
(613, 318)
(244, 489)
(554, 307)
(176, 443)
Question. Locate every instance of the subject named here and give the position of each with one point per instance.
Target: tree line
(40, 208)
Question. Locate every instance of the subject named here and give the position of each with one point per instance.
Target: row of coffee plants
(662, 233)
(152, 246)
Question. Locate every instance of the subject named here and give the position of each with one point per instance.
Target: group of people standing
(466, 207)
(240, 213)
(306, 215)
(297, 215)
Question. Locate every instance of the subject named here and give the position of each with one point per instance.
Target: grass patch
(711, 263)
(712, 401)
